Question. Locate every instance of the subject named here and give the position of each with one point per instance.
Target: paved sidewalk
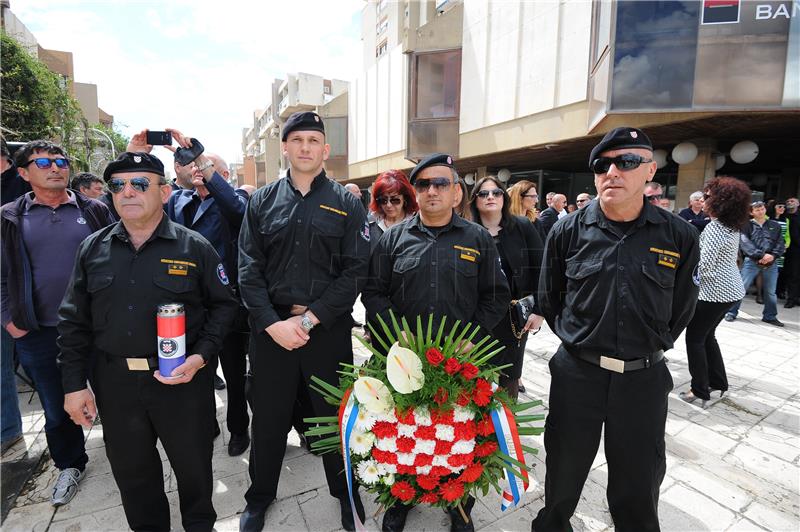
(732, 466)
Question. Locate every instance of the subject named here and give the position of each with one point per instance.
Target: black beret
(434, 159)
(134, 162)
(306, 121)
(621, 137)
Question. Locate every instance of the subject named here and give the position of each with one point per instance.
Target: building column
(692, 176)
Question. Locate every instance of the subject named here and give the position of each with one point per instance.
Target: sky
(199, 66)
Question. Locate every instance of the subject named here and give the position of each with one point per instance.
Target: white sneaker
(66, 486)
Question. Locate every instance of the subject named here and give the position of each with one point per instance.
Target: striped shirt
(720, 281)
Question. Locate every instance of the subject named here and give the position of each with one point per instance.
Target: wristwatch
(205, 165)
(307, 323)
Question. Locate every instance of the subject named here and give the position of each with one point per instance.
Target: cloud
(199, 66)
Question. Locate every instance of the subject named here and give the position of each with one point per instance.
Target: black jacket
(756, 240)
(17, 276)
(523, 248)
(548, 218)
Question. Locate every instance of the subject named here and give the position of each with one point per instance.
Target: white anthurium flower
(368, 472)
(404, 369)
(361, 442)
(373, 394)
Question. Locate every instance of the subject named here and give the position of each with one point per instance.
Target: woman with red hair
(393, 200)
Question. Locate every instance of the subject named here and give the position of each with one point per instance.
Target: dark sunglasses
(483, 194)
(624, 162)
(655, 197)
(397, 200)
(44, 163)
(530, 195)
(139, 184)
(780, 206)
(439, 183)
(581, 201)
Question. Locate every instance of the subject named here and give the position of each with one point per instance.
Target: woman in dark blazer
(520, 247)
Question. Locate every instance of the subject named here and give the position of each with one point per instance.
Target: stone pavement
(732, 466)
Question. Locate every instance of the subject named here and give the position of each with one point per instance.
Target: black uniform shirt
(115, 290)
(307, 250)
(454, 272)
(624, 295)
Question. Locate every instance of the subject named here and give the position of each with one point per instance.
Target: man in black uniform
(108, 333)
(618, 286)
(436, 263)
(303, 253)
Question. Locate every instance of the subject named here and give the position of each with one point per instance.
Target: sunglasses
(439, 183)
(530, 196)
(139, 184)
(624, 162)
(44, 163)
(396, 200)
(581, 201)
(780, 206)
(655, 197)
(483, 194)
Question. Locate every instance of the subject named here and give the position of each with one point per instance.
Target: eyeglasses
(655, 197)
(439, 183)
(581, 201)
(382, 200)
(624, 162)
(531, 196)
(139, 184)
(483, 194)
(44, 163)
(780, 206)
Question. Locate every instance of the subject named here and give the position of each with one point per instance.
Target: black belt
(618, 365)
(134, 363)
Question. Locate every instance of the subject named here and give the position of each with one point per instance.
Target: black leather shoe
(252, 519)
(394, 520)
(348, 523)
(790, 304)
(219, 384)
(457, 523)
(238, 444)
(774, 321)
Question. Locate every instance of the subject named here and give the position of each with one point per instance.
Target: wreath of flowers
(423, 432)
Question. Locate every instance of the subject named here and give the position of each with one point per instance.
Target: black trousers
(136, 410)
(512, 354)
(791, 268)
(279, 378)
(233, 358)
(633, 408)
(705, 359)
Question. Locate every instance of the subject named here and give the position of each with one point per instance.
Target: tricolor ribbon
(505, 428)
(348, 413)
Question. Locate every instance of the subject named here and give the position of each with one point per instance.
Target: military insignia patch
(696, 275)
(221, 275)
(365, 231)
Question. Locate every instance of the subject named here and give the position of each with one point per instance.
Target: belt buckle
(137, 364)
(612, 364)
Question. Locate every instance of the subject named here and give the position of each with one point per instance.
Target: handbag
(519, 312)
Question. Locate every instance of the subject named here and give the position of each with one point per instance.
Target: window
(382, 26)
(381, 48)
(382, 5)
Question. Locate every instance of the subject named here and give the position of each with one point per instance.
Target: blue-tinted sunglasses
(44, 163)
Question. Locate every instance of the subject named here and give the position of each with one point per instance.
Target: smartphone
(161, 138)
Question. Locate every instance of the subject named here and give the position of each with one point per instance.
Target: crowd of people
(268, 279)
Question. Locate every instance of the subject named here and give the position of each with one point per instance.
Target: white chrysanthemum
(387, 444)
(390, 469)
(445, 432)
(389, 416)
(423, 470)
(463, 447)
(406, 458)
(368, 472)
(388, 479)
(365, 420)
(422, 416)
(441, 460)
(425, 446)
(461, 414)
(406, 430)
(361, 442)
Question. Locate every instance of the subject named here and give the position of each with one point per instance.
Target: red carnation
(452, 490)
(384, 429)
(434, 356)
(427, 482)
(429, 498)
(452, 366)
(444, 417)
(425, 433)
(406, 469)
(457, 460)
(484, 427)
(463, 398)
(485, 448)
(406, 418)
(482, 393)
(403, 491)
(443, 447)
(469, 371)
(441, 396)
(472, 473)
(439, 471)
(384, 457)
(422, 460)
(464, 430)
(405, 444)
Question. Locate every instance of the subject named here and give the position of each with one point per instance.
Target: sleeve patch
(696, 275)
(221, 275)
(365, 231)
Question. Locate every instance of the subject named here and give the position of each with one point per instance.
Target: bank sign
(729, 11)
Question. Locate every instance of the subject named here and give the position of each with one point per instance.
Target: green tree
(35, 101)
